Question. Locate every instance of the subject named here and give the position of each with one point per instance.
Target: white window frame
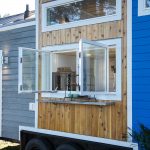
(103, 96)
(142, 10)
(20, 80)
(102, 19)
(1, 62)
(19, 70)
(20, 49)
(51, 65)
(85, 41)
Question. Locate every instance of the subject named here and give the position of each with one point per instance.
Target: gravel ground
(6, 145)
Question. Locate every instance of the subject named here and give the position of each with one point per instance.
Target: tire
(68, 147)
(38, 144)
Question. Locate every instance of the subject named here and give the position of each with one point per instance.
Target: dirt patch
(6, 145)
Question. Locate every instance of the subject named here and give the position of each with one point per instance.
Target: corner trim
(37, 47)
(129, 67)
(0, 93)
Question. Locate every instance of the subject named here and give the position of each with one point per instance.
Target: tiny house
(88, 75)
(81, 75)
(15, 31)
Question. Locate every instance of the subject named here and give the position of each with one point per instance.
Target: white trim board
(129, 67)
(16, 26)
(19, 69)
(37, 47)
(80, 137)
(0, 93)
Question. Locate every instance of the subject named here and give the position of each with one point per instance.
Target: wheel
(68, 147)
(38, 144)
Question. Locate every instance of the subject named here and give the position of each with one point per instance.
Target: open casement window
(93, 67)
(100, 70)
(85, 68)
(29, 69)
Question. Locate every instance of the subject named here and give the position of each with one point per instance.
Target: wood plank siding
(99, 121)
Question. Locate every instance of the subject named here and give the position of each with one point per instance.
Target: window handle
(54, 91)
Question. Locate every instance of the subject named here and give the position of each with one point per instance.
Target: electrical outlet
(32, 106)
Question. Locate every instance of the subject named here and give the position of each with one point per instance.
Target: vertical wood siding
(15, 107)
(99, 121)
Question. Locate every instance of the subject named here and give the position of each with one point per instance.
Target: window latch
(20, 87)
(20, 60)
(79, 87)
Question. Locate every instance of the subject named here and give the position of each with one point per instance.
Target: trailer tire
(68, 147)
(38, 144)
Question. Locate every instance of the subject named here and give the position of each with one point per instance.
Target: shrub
(142, 137)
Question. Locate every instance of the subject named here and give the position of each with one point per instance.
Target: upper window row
(60, 14)
(143, 7)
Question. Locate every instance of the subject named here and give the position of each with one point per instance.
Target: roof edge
(23, 24)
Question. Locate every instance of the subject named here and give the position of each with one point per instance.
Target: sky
(15, 6)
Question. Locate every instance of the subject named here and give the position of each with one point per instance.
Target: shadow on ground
(11, 148)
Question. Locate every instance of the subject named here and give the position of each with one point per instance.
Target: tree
(64, 13)
(142, 137)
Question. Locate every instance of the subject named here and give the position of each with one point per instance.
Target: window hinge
(79, 87)
(79, 54)
(2, 58)
(20, 87)
(21, 60)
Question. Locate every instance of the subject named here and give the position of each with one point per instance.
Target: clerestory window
(62, 14)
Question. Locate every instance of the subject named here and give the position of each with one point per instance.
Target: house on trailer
(83, 71)
(91, 70)
(17, 30)
(140, 62)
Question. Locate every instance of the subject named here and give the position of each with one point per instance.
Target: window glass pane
(147, 3)
(112, 70)
(28, 70)
(94, 68)
(83, 9)
(64, 71)
(46, 57)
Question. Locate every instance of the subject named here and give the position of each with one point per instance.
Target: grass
(6, 145)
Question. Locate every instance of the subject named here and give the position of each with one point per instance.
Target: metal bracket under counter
(98, 103)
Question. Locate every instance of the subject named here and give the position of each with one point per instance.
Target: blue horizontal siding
(141, 68)
(138, 26)
(15, 106)
(141, 49)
